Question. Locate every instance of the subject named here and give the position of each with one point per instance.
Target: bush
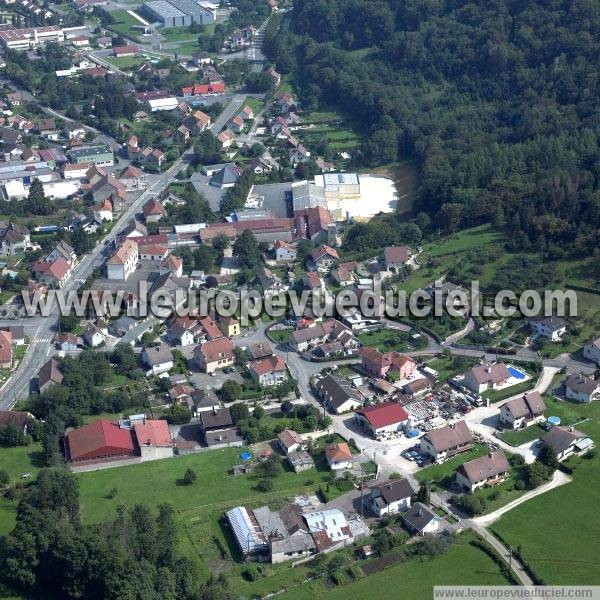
(265, 485)
(520, 485)
(4, 477)
(189, 477)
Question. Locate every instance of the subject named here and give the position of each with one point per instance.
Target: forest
(496, 102)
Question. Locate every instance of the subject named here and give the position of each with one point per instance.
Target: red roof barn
(382, 418)
(99, 440)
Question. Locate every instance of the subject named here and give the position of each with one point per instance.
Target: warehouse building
(100, 155)
(178, 13)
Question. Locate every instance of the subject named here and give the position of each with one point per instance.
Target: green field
(125, 62)
(123, 24)
(513, 390)
(558, 533)
(522, 436)
(464, 564)
(384, 340)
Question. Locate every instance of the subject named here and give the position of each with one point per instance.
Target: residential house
(324, 257)
(416, 388)
(182, 135)
(123, 262)
(225, 139)
(157, 359)
(338, 456)
(226, 177)
(395, 257)
(270, 283)
(381, 419)
(309, 337)
(49, 375)
(582, 388)
(486, 376)
(338, 394)
(551, 328)
(391, 497)
(290, 441)
(488, 470)
(446, 442)
(74, 130)
(153, 211)
(184, 331)
(566, 441)
(284, 251)
(215, 354)
(47, 128)
(343, 274)
(53, 273)
(94, 335)
(300, 461)
(133, 179)
(236, 124)
(421, 520)
(259, 350)
(171, 264)
(217, 428)
(103, 211)
(230, 326)
(268, 371)
(14, 238)
(17, 333)
(522, 411)
(17, 419)
(6, 353)
(259, 166)
(379, 364)
(68, 342)
(122, 326)
(181, 393)
(312, 282)
(591, 350)
(204, 400)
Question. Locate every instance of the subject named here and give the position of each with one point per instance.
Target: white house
(582, 388)
(567, 441)
(446, 442)
(285, 251)
(268, 371)
(486, 376)
(390, 497)
(290, 441)
(522, 411)
(552, 328)
(420, 519)
(157, 359)
(338, 456)
(123, 262)
(591, 350)
(487, 470)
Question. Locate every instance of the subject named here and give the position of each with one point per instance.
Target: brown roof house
(390, 497)
(213, 355)
(567, 441)
(396, 257)
(446, 442)
(5, 349)
(582, 388)
(338, 456)
(487, 470)
(487, 376)
(49, 375)
(522, 411)
(290, 441)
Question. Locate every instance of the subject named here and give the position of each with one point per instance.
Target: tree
(547, 456)
(36, 202)
(246, 250)
(178, 414)
(12, 436)
(189, 476)
(239, 411)
(265, 485)
(4, 477)
(258, 412)
(230, 392)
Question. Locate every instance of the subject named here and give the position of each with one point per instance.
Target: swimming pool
(514, 372)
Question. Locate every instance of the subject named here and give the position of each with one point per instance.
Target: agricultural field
(543, 528)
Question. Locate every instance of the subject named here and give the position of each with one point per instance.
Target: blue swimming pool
(514, 372)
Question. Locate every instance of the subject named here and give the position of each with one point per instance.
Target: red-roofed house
(153, 438)
(338, 456)
(122, 51)
(52, 273)
(271, 370)
(100, 440)
(396, 257)
(5, 349)
(379, 419)
(153, 211)
(213, 355)
(324, 257)
(379, 364)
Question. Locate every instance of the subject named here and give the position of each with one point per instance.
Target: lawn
(448, 367)
(558, 532)
(463, 564)
(436, 473)
(513, 390)
(522, 436)
(280, 336)
(125, 62)
(123, 24)
(215, 486)
(385, 340)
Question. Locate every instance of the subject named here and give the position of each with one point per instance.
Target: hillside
(497, 102)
